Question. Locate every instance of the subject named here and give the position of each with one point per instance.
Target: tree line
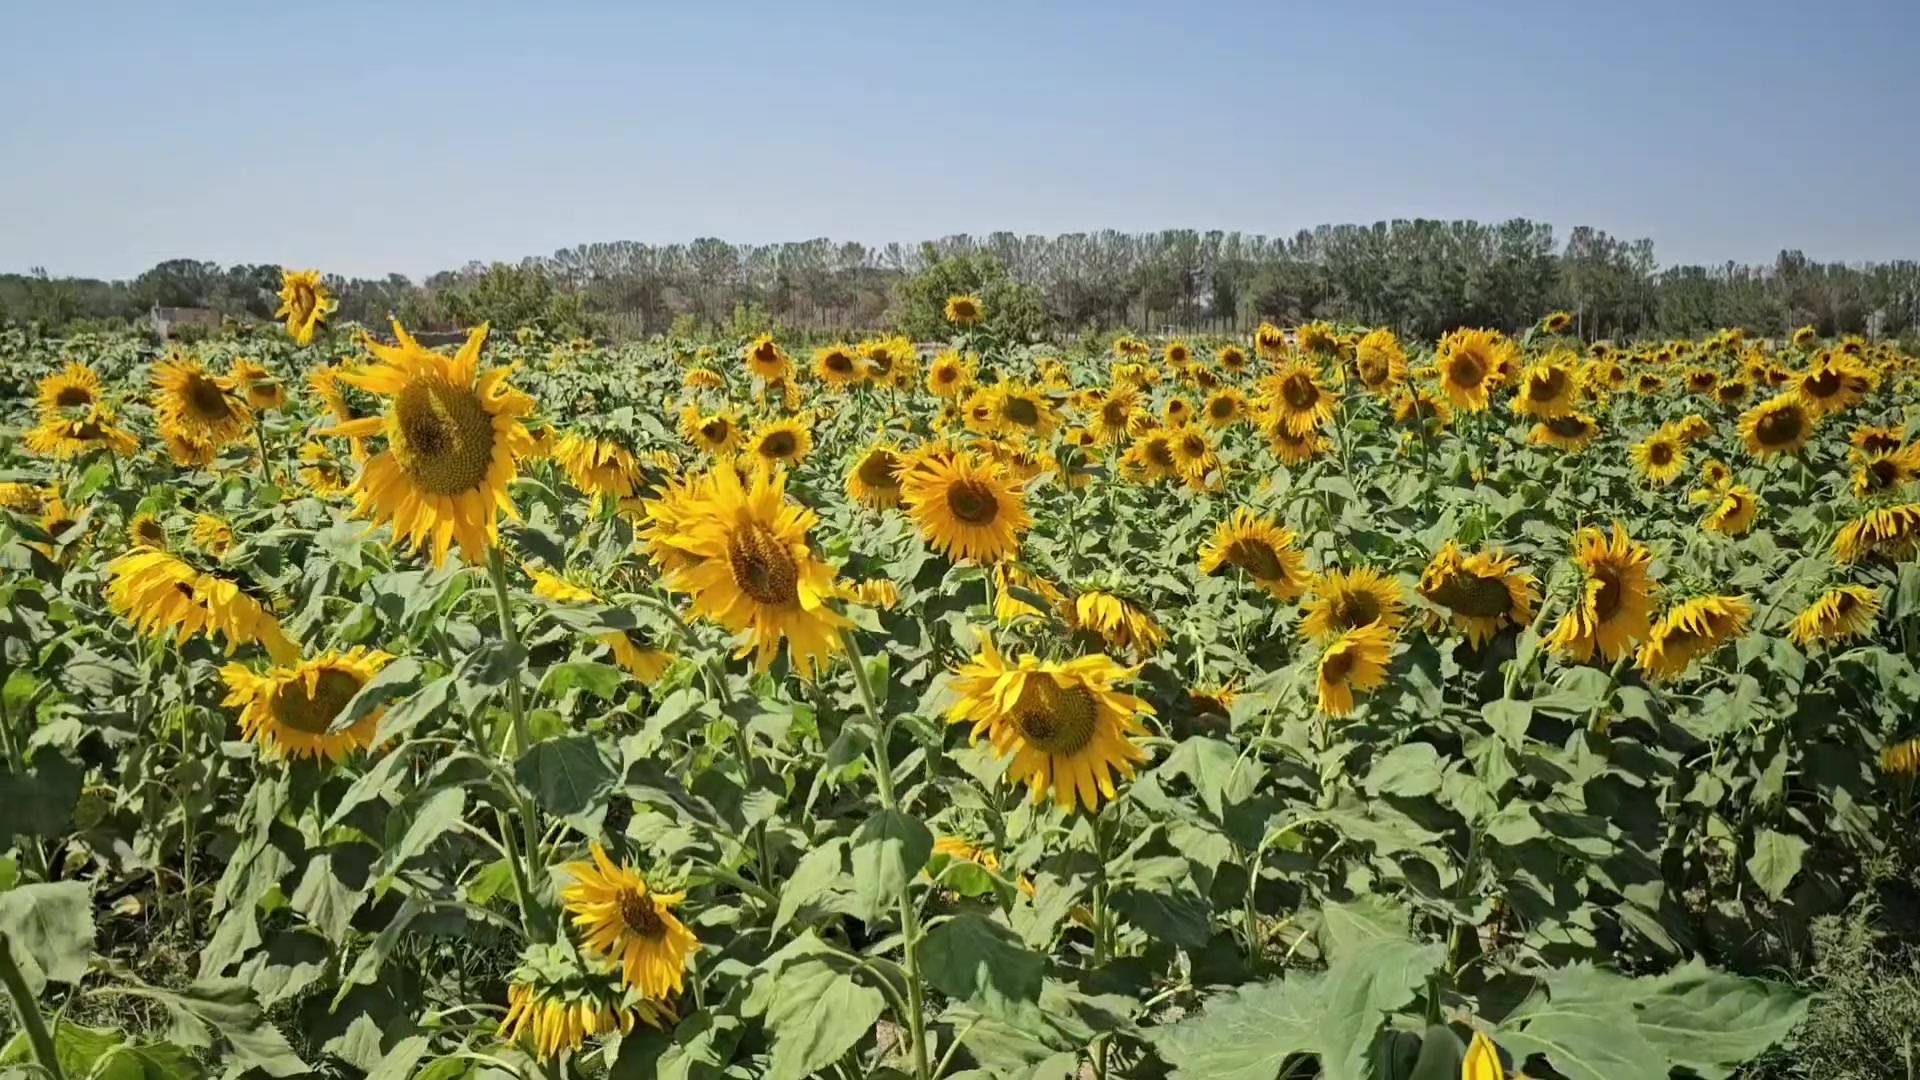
(1420, 277)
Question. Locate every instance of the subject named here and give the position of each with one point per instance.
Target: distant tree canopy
(1420, 277)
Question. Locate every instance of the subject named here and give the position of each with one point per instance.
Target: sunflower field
(1319, 704)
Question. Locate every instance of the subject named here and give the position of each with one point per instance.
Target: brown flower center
(206, 399)
(1054, 719)
(1257, 558)
(1352, 608)
(876, 469)
(972, 502)
(1547, 386)
(762, 567)
(312, 713)
(779, 445)
(441, 435)
(1660, 454)
(1466, 370)
(72, 396)
(641, 914)
(1779, 427)
(1299, 392)
(1020, 410)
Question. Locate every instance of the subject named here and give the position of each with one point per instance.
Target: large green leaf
(1775, 861)
(1584, 1025)
(227, 1008)
(820, 871)
(1711, 1022)
(971, 958)
(49, 928)
(1247, 1033)
(889, 848)
(811, 1006)
(41, 799)
(567, 775)
(434, 818)
(1410, 770)
(104, 1054)
(1361, 988)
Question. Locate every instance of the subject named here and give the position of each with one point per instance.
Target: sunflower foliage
(1316, 704)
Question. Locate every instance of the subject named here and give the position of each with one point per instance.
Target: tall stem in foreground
(29, 1010)
(522, 741)
(909, 912)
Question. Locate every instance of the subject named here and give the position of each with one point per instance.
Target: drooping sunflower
(1838, 615)
(767, 359)
(75, 387)
(1482, 592)
(1572, 433)
(1356, 659)
(1231, 358)
(188, 452)
(1379, 361)
(888, 361)
(632, 649)
(1556, 323)
(837, 365)
(1546, 390)
(1616, 600)
(1869, 439)
(263, 391)
(1417, 405)
(628, 924)
(1008, 605)
(60, 437)
(1193, 455)
(874, 480)
(966, 507)
(1225, 408)
(1294, 396)
(1901, 758)
(1470, 364)
(1111, 420)
(1805, 336)
(1703, 381)
(1119, 621)
(1659, 457)
(1734, 509)
(1876, 474)
(27, 499)
(1270, 341)
(1064, 726)
(288, 710)
(1891, 531)
(1345, 600)
(554, 1019)
(304, 303)
(1648, 384)
(1128, 347)
(1293, 449)
(211, 534)
(703, 378)
(1781, 425)
(145, 530)
(950, 375)
(782, 442)
(745, 559)
(598, 467)
(196, 405)
(158, 593)
(878, 593)
(1692, 630)
(324, 474)
(453, 435)
(1262, 549)
(1151, 457)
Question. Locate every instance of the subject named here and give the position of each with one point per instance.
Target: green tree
(1014, 310)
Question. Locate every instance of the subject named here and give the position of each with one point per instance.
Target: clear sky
(367, 137)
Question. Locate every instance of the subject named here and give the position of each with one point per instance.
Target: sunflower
(1546, 391)
(304, 303)
(1419, 405)
(1225, 408)
(159, 593)
(198, 406)
(1178, 353)
(146, 531)
(1901, 759)
(1355, 660)
(29, 499)
(782, 442)
(1831, 386)
(1691, 630)
(1876, 440)
(262, 389)
(744, 558)
(1213, 699)
(1838, 615)
(1700, 381)
(1615, 601)
(1293, 395)
(1270, 341)
(1231, 358)
(767, 359)
(950, 375)
(1177, 411)
(703, 378)
(1892, 531)
(1481, 591)
(324, 381)
(837, 365)
(874, 593)
(1294, 449)
(1805, 336)
(966, 507)
(186, 451)
(1260, 548)
(1715, 475)
(1482, 1061)
(717, 433)
(75, 387)
(1732, 392)
(1572, 433)
(555, 1020)
(1193, 455)
(624, 922)
(1129, 347)
(1878, 473)
(1020, 408)
(874, 480)
(598, 467)
(1781, 425)
(1471, 363)
(1346, 600)
(631, 649)
(1659, 457)
(1557, 323)
(211, 534)
(1151, 458)
(288, 711)
(1008, 606)
(1316, 338)
(61, 438)
(1734, 509)
(1063, 724)
(1120, 622)
(323, 473)
(1111, 421)
(1379, 361)
(964, 310)
(888, 361)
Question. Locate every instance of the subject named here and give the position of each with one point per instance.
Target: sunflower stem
(521, 742)
(266, 463)
(909, 912)
(29, 1010)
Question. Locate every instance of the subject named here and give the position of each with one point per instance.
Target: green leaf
(40, 801)
(1361, 989)
(1508, 718)
(818, 872)
(1585, 1027)
(50, 928)
(1348, 928)
(400, 677)
(1412, 770)
(1216, 771)
(419, 705)
(601, 680)
(888, 850)
(971, 958)
(375, 782)
(1775, 861)
(1247, 1033)
(430, 822)
(812, 1008)
(227, 1007)
(567, 775)
(1711, 1022)
(1176, 915)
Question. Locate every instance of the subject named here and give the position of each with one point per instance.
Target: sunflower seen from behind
(289, 711)
(631, 926)
(1258, 547)
(966, 507)
(304, 303)
(555, 1017)
(262, 390)
(1118, 621)
(1891, 532)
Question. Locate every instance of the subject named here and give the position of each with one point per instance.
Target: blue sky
(365, 138)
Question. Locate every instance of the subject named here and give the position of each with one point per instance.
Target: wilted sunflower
(1805, 336)
(1781, 425)
(145, 530)
(1008, 605)
(1379, 361)
(1572, 433)
(964, 310)
(74, 387)
(27, 499)
(1546, 390)
(1349, 599)
(837, 365)
(1832, 386)
(1270, 341)
(966, 507)
(1691, 630)
(1225, 408)
(782, 442)
(1616, 599)
(211, 534)
(1879, 473)
(1876, 440)
(598, 467)
(1471, 363)
(197, 406)
(1262, 549)
(553, 1020)
(628, 924)
(1734, 509)
(1151, 457)
(1732, 392)
(1482, 592)
(187, 452)
(262, 389)
(874, 480)
(61, 438)
(703, 378)
(874, 593)
(1231, 358)
(453, 433)
(304, 303)
(950, 375)
(1120, 622)
(1892, 531)
(1659, 457)
(1193, 455)
(288, 710)
(1557, 323)
(1700, 381)
(1063, 724)
(1355, 660)
(1293, 449)
(1293, 396)
(1715, 475)
(767, 359)
(1838, 615)
(158, 593)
